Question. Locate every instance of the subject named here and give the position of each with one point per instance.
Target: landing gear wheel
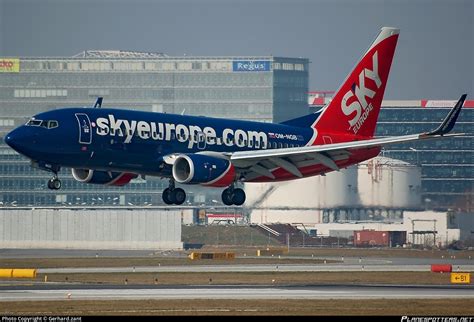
(227, 197)
(174, 196)
(54, 184)
(168, 196)
(179, 196)
(238, 197)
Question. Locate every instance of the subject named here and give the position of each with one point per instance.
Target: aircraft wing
(253, 164)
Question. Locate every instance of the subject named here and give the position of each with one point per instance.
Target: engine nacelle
(103, 177)
(203, 169)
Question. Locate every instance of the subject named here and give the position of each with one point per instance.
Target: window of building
(299, 67)
(20, 93)
(6, 122)
(99, 92)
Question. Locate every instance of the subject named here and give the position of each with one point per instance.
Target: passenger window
(274, 145)
(286, 145)
(280, 145)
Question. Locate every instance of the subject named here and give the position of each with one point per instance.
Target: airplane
(112, 146)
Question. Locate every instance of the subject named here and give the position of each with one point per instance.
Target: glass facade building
(447, 165)
(264, 88)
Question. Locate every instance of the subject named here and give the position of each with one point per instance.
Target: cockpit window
(49, 124)
(34, 122)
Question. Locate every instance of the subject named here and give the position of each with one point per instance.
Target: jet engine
(103, 177)
(203, 169)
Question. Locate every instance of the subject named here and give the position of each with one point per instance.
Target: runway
(96, 292)
(255, 268)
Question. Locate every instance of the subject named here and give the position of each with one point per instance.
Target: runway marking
(238, 293)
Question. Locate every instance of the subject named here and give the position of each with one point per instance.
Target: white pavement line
(235, 293)
(254, 268)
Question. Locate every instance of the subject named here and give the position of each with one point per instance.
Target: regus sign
(251, 65)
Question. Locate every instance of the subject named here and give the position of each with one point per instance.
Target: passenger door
(85, 130)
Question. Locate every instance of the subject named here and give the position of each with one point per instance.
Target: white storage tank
(390, 183)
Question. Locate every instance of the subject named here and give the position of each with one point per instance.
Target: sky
(434, 58)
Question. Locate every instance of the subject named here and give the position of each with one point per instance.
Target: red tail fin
(354, 110)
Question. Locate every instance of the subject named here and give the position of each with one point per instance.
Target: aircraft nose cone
(18, 139)
(10, 139)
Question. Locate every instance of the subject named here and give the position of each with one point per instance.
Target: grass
(252, 278)
(145, 261)
(244, 257)
(383, 253)
(442, 307)
(226, 235)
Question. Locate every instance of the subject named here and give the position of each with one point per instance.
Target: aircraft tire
(56, 184)
(227, 197)
(179, 196)
(168, 196)
(238, 197)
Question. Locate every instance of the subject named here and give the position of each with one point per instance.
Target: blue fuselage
(134, 141)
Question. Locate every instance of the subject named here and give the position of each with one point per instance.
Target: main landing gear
(233, 196)
(54, 183)
(172, 195)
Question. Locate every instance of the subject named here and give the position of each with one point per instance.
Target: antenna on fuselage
(98, 103)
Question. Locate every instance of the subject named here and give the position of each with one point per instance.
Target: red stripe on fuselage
(224, 180)
(123, 179)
